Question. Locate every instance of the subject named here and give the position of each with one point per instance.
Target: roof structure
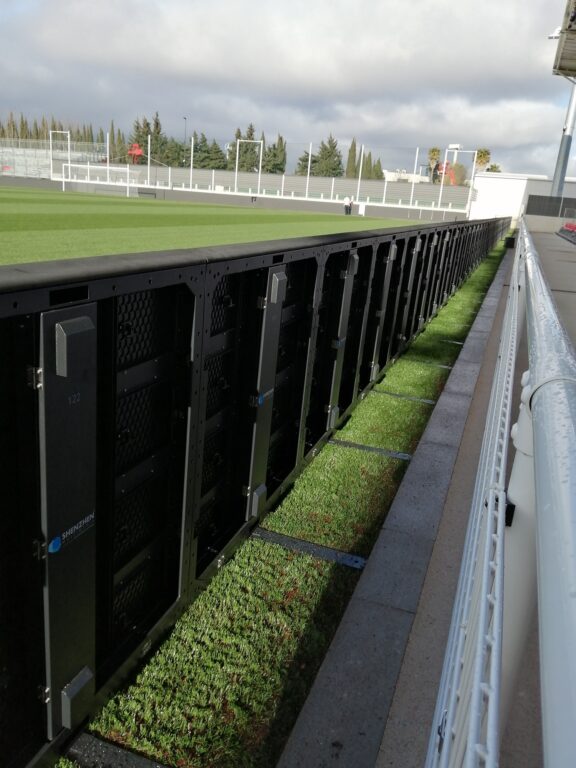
(565, 61)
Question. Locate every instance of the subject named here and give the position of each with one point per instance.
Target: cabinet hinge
(34, 377)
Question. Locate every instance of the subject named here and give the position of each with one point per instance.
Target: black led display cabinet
(153, 408)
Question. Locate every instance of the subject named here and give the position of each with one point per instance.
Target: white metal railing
(398, 189)
(466, 719)
(474, 688)
(553, 407)
(393, 195)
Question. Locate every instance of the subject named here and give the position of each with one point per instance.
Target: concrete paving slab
(462, 379)
(395, 571)
(343, 719)
(447, 420)
(417, 507)
(483, 322)
(473, 348)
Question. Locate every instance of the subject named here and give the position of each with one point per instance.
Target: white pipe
(191, 159)
(360, 172)
(414, 175)
(309, 166)
(553, 404)
(149, 140)
(260, 164)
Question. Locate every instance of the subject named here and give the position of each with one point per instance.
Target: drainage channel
(90, 752)
(404, 397)
(309, 548)
(435, 365)
(371, 449)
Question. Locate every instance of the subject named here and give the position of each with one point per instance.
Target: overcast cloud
(391, 73)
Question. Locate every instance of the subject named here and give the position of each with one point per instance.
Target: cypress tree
(351, 172)
(367, 166)
(232, 150)
(23, 131)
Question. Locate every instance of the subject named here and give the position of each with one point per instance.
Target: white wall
(506, 194)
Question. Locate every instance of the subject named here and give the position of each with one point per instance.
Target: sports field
(37, 225)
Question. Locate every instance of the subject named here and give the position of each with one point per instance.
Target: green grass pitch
(38, 225)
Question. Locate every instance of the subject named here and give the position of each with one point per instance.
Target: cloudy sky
(391, 73)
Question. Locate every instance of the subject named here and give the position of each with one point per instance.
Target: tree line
(254, 153)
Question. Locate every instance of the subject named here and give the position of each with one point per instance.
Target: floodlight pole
(565, 145)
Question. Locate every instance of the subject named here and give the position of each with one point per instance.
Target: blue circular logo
(55, 545)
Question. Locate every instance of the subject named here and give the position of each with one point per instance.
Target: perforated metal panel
(144, 320)
(136, 518)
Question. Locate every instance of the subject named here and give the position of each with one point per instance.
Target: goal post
(261, 146)
(60, 152)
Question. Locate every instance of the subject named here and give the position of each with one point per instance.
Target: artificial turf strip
(40, 225)
(227, 686)
(388, 423)
(223, 689)
(413, 378)
(340, 500)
